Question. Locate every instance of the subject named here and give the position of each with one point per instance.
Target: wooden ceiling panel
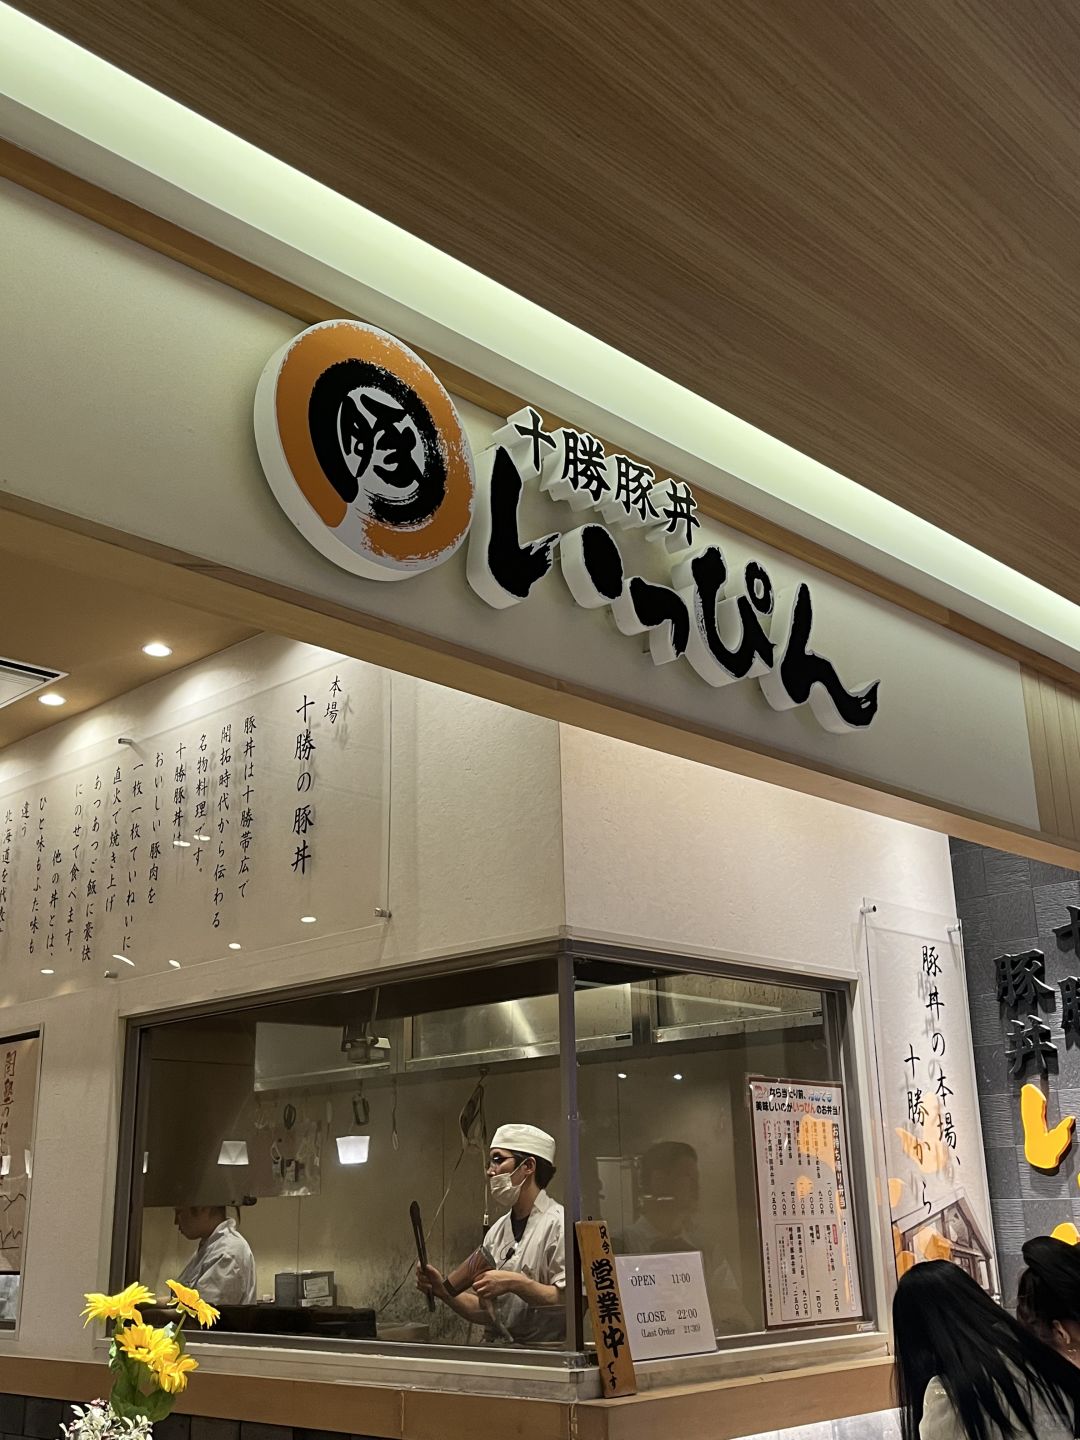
(853, 223)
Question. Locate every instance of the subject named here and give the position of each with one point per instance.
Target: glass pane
(719, 1000)
(667, 1151)
(18, 1108)
(525, 1025)
(288, 1142)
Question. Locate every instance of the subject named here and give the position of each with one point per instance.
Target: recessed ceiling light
(676, 1076)
(157, 649)
(622, 1074)
(50, 698)
(125, 959)
(182, 844)
(203, 837)
(175, 964)
(235, 945)
(308, 919)
(48, 972)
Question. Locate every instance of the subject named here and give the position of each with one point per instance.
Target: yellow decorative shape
(1043, 1148)
(1066, 1231)
(934, 1245)
(904, 1261)
(896, 1191)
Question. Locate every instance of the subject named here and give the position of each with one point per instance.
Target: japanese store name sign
(368, 458)
(808, 1255)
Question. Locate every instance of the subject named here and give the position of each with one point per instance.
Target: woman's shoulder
(939, 1420)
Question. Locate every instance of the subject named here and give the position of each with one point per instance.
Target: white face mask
(505, 1190)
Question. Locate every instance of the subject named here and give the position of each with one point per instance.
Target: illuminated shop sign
(368, 457)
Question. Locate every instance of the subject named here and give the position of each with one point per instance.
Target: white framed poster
(806, 1222)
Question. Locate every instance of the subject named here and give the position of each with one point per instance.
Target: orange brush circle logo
(364, 450)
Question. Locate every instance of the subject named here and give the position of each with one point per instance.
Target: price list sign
(808, 1256)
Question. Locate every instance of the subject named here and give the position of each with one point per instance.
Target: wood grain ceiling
(853, 223)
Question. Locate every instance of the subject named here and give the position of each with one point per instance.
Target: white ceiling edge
(84, 115)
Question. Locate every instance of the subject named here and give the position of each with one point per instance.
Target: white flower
(96, 1421)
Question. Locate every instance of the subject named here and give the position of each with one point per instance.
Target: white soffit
(77, 111)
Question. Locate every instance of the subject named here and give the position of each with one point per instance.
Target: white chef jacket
(539, 1254)
(222, 1268)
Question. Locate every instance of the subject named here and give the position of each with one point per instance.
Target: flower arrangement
(150, 1365)
(97, 1422)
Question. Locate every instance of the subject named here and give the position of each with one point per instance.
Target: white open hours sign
(666, 1304)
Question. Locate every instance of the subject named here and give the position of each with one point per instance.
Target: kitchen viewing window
(284, 1142)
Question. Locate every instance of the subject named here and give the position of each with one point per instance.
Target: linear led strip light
(84, 115)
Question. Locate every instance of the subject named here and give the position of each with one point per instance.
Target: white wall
(658, 851)
(465, 873)
(668, 852)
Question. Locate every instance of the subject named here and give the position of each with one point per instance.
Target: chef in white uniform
(223, 1267)
(526, 1289)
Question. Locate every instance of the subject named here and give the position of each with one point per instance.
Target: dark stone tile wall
(26, 1417)
(1007, 903)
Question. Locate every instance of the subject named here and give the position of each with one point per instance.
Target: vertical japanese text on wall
(938, 1201)
(220, 832)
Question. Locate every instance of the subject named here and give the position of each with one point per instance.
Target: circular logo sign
(364, 450)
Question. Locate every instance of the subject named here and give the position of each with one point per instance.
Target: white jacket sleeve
(224, 1282)
(939, 1419)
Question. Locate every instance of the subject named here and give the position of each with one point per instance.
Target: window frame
(564, 955)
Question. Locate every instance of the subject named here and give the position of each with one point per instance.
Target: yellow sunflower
(190, 1302)
(172, 1377)
(148, 1346)
(124, 1306)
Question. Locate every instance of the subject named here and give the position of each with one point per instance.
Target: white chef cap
(525, 1140)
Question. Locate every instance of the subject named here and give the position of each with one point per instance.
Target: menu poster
(808, 1255)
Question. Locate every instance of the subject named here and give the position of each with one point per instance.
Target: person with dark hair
(669, 1189)
(1048, 1296)
(223, 1267)
(966, 1370)
(669, 1194)
(520, 1294)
